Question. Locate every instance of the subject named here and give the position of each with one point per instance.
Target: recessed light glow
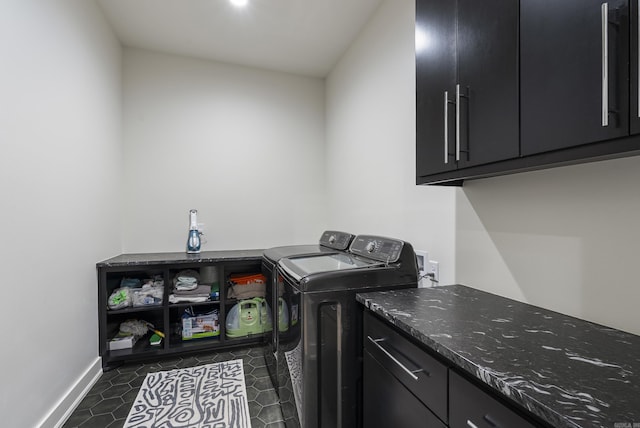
(239, 3)
(423, 40)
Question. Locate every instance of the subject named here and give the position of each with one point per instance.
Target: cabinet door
(488, 78)
(634, 108)
(472, 407)
(387, 403)
(435, 74)
(574, 73)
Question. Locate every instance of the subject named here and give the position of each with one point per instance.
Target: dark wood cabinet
(574, 58)
(404, 385)
(529, 84)
(488, 78)
(424, 376)
(634, 81)
(472, 407)
(388, 403)
(435, 82)
(466, 83)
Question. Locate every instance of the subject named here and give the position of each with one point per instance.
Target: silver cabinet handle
(457, 122)
(446, 125)
(490, 421)
(459, 95)
(638, 70)
(487, 418)
(605, 64)
(402, 366)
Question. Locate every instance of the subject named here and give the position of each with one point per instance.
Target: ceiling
(305, 37)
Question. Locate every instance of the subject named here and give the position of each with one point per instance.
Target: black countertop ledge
(567, 371)
(124, 260)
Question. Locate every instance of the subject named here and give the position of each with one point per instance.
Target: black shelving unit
(167, 316)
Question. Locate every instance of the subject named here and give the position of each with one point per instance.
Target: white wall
(567, 239)
(60, 170)
(243, 146)
(371, 142)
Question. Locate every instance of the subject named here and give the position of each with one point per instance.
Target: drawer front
(387, 403)
(471, 407)
(419, 372)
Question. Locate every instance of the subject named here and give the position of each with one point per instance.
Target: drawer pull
(446, 126)
(458, 95)
(605, 63)
(487, 418)
(490, 421)
(388, 354)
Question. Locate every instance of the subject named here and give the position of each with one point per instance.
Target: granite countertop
(181, 257)
(569, 372)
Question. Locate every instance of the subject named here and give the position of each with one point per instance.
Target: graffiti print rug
(209, 396)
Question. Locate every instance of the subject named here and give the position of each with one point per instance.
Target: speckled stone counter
(567, 371)
(125, 260)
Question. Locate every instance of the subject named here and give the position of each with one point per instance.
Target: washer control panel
(336, 240)
(377, 248)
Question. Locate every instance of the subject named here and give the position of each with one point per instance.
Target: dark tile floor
(109, 401)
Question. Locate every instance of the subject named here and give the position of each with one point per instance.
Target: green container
(251, 316)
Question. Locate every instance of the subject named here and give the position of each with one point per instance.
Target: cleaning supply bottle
(193, 242)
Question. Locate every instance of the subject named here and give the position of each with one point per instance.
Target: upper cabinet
(466, 83)
(574, 56)
(435, 78)
(504, 86)
(487, 88)
(634, 84)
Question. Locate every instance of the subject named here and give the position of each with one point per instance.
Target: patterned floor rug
(209, 396)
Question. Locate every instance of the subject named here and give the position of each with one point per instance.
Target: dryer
(330, 242)
(319, 356)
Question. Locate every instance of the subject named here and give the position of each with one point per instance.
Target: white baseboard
(61, 411)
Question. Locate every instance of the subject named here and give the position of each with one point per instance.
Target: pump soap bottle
(193, 242)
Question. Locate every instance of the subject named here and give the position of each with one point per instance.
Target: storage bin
(200, 326)
(247, 286)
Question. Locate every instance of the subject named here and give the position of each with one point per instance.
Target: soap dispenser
(193, 242)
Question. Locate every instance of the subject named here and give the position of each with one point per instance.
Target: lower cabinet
(470, 407)
(402, 384)
(388, 402)
(405, 386)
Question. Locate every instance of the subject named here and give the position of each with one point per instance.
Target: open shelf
(194, 304)
(166, 317)
(247, 338)
(141, 348)
(137, 309)
(177, 342)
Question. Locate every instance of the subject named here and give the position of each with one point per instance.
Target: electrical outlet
(434, 270)
(422, 258)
